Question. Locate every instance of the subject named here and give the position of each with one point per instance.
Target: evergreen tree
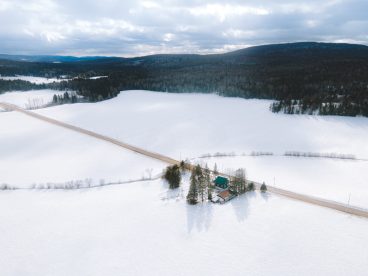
(263, 188)
(239, 181)
(173, 176)
(207, 180)
(201, 182)
(250, 186)
(192, 197)
(215, 171)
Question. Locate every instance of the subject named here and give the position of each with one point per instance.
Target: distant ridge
(259, 50)
(51, 58)
(304, 77)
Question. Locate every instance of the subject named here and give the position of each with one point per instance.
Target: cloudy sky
(131, 28)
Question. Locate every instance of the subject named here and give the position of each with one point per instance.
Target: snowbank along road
(296, 196)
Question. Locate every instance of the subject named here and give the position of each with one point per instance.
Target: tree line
(325, 79)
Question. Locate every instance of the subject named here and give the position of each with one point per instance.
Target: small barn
(225, 196)
(221, 182)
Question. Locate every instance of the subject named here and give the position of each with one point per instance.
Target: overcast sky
(131, 28)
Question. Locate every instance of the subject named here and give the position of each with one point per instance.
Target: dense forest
(314, 78)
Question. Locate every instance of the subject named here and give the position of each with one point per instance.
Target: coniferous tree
(202, 187)
(207, 180)
(215, 171)
(250, 186)
(263, 188)
(192, 197)
(173, 176)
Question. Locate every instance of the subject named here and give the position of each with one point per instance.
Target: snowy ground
(31, 98)
(33, 152)
(144, 229)
(188, 125)
(326, 178)
(194, 124)
(130, 230)
(36, 80)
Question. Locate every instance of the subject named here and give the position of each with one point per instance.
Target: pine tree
(263, 188)
(207, 181)
(192, 197)
(173, 176)
(201, 182)
(239, 181)
(215, 171)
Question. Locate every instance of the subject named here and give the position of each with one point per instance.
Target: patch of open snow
(194, 124)
(129, 230)
(34, 152)
(29, 99)
(188, 125)
(97, 77)
(35, 80)
(331, 179)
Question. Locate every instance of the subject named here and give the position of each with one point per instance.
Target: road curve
(353, 210)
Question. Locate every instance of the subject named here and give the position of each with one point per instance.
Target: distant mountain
(303, 77)
(52, 59)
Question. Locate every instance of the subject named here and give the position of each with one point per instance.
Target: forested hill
(308, 77)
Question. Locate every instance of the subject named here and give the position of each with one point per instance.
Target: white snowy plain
(133, 229)
(143, 228)
(26, 99)
(35, 80)
(189, 125)
(34, 152)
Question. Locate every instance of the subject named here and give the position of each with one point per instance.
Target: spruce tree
(192, 197)
(207, 180)
(173, 176)
(215, 171)
(263, 188)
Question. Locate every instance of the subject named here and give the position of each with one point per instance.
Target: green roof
(221, 180)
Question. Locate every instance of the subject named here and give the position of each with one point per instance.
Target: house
(221, 182)
(224, 196)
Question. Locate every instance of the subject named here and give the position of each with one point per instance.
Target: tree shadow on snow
(241, 205)
(265, 196)
(199, 216)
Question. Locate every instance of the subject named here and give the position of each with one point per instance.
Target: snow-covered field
(130, 230)
(31, 98)
(142, 228)
(35, 80)
(188, 125)
(332, 179)
(34, 152)
(194, 124)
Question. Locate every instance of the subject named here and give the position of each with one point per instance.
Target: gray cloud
(129, 28)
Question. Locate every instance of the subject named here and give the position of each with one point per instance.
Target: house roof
(220, 180)
(224, 194)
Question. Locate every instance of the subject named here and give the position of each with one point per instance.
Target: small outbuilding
(224, 196)
(221, 182)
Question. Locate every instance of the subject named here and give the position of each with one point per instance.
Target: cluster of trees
(328, 78)
(354, 104)
(173, 176)
(65, 98)
(17, 85)
(320, 155)
(200, 188)
(238, 183)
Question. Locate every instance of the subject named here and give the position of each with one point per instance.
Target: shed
(221, 182)
(225, 196)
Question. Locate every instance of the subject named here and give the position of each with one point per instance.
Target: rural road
(292, 195)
